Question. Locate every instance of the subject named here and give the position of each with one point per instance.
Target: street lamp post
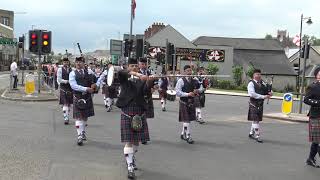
(301, 87)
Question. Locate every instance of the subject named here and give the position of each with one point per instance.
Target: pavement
(36, 145)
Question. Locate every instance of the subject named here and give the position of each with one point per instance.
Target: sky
(93, 23)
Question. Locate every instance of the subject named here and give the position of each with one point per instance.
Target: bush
(288, 88)
(213, 69)
(249, 72)
(225, 84)
(242, 87)
(237, 74)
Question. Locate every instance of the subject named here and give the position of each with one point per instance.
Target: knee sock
(128, 153)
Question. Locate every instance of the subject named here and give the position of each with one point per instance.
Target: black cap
(80, 59)
(186, 67)
(316, 71)
(143, 60)
(132, 61)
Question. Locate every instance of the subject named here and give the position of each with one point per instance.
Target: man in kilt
(201, 98)
(187, 88)
(258, 92)
(132, 103)
(66, 95)
(110, 92)
(163, 87)
(312, 98)
(83, 86)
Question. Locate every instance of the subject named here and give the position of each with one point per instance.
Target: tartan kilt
(314, 130)
(255, 114)
(66, 97)
(150, 109)
(162, 93)
(110, 91)
(186, 114)
(197, 102)
(83, 114)
(127, 134)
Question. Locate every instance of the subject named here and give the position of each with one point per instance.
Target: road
(35, 144)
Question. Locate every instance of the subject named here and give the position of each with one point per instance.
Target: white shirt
(252, 93)
(13, 69)
(102, 77)
(73, 82)
(59, 77)
(179, 87)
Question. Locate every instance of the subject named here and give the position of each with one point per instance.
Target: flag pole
(131, 26)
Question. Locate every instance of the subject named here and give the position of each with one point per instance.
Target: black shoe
(108, 108)
(131, 174)
(189, 140)
(259, 140)
(66, 122)
(164, 109)
(144, 143)
(312, 162)
(183, 136)
(80, 140)
(83, 134)
(251, 136)
(200, 121)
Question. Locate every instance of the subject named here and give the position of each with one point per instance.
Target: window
(5, 21)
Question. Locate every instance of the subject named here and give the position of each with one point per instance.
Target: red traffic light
(33, 36)
(45, 36)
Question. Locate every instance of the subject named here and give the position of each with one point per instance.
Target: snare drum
(171, 95)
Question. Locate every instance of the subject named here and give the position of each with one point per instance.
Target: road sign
(287, 103)
(30, 85)
(116, 47)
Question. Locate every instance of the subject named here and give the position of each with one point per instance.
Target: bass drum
(171, 95)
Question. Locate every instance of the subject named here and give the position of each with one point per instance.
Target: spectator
(14, 73)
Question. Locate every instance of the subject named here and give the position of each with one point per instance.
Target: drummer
(107, 90)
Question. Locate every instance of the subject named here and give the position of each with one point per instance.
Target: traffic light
(305, 51)
(126, 48)
(170, 51)
(139, 48)
(46, 42)
(34, 41)
(21, 41)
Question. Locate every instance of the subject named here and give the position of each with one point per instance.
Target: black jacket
(132, 91)
(312, 98)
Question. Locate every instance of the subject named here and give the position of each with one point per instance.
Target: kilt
(127, 134)
(314, 130)
(150, 109)
(110, 91)
(162, 93)
(83, 114)
(66, 97)
(254, 113)
(197, 102)
(186, 114)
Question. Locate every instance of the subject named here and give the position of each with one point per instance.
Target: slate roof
(270, 62)
(240, 43)
(170, 33)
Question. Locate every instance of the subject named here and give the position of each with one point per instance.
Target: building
(265, 54)
(7, 41)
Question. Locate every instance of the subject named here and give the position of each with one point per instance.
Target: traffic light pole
(302, 89)
(22, 62)
(39, 65)
(131, 27)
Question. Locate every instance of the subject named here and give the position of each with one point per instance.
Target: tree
(268, 36)
(249, 72)
(237, 74)
(213, 69)
(312, 39)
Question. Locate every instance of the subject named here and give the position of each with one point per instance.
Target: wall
(280, 82)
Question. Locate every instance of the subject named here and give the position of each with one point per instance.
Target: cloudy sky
(93, 22)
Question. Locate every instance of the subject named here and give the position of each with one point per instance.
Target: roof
(317, 49)
(270, 62)
(170, 33)
(240, 43)
(296, 56)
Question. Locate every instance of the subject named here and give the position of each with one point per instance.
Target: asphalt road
(35, 144)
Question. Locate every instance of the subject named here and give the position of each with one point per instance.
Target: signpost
(287, 103)
(115, 50)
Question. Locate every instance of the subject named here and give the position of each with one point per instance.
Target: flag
(296, 40)
(133, 8)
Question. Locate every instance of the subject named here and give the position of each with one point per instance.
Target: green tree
(237, 74)
(213, 69)
(249, 72)
(268, 36)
